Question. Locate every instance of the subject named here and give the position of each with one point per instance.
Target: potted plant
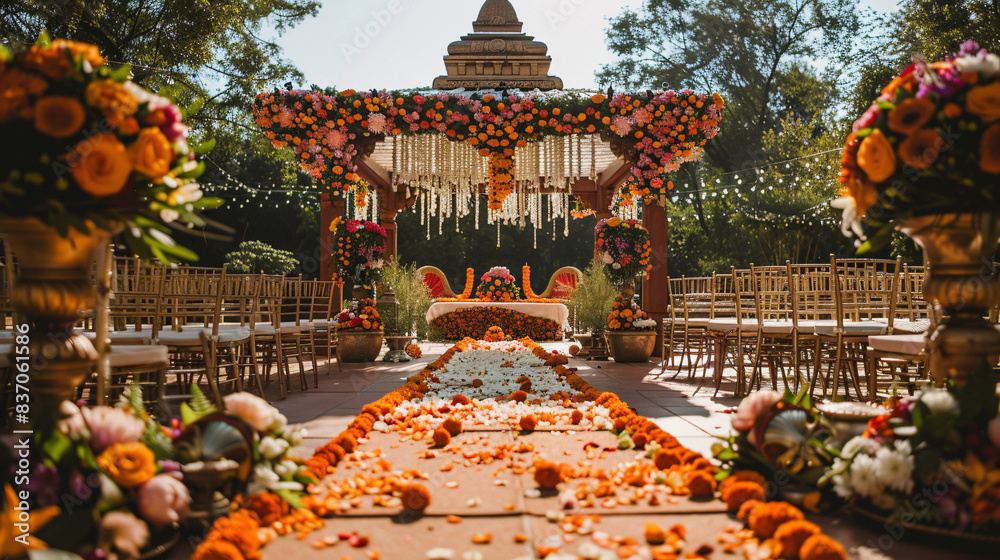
(359, 332)
(404, 302)
(590, 301)
(631, 333)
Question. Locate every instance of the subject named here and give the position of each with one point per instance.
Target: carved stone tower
(497, 55)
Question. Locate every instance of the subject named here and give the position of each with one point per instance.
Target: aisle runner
(496, 450)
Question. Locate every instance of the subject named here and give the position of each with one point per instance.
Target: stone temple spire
(497, 55)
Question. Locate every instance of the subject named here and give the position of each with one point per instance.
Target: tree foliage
(254, 257)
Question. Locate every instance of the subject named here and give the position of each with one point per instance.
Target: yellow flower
(101, 165)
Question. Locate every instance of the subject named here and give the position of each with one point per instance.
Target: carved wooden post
(331, 209)
(655, 288)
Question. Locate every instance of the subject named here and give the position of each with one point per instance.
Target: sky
(395, 44)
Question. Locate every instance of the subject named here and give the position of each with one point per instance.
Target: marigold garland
(659, 130)
(529, 294)
(470, 284)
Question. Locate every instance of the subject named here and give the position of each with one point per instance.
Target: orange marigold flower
(452, 425)
(528, 422)
(743, 514)
(415, 497)
(766, 519)
(666, 458)
(217, 550)
(59, 116)
(741, 492)
(740, 476)
(518, 396)
(792, 535)
(700, 483)
(128, 464)
(547, 475)
(822, 547)
(984, 102)
(441, 437)
(460, 399)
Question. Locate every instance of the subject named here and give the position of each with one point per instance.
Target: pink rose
(126, 532)
(752, 407)
(109, 426)
(993, 429)
(163, 500)
(251, 409)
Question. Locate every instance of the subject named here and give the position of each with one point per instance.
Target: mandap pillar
(388, 221)
(656, 287)
(331, 208)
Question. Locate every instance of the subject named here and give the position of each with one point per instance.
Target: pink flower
(377, 123)
(251, 409)
(993, 429)
(109, 426)
(752, 407)
(336, 139)
(866, 119)
(163, 500)
(622, 126)
(126, 532)
(286, 117)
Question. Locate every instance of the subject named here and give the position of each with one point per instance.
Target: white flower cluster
(498, 373)
(274, 437)
(880, 473)
(644, 323)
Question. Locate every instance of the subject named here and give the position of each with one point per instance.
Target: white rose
(987, 63)
(286, 469)
(272, 448)
(278, 422)
(939, 401)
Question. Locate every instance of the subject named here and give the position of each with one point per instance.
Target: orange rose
(984, 102)
(111, 98)
(921, 149)
(59, 116)
(151, 153)
(101, 165)
(989, 150)
(128, 464)
(876, 157)
(16, 89)
(910, 115)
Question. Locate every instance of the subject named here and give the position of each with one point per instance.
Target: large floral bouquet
(360, 248)
(498, 285)
(930, 144)
(361, 316)
(626, 316)
(83, 146)
(625, 249)
(113, 481)
(931, 459)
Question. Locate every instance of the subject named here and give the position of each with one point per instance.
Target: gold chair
(562, 283)
(772, 297)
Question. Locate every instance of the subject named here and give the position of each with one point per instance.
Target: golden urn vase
(958, 249)
(631, 346)
(52, 290)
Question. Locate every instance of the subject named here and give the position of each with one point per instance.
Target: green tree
(254, 257)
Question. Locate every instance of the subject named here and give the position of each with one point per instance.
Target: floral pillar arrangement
(925, 159)
(86, 152)
(358, 255)
(625, 249)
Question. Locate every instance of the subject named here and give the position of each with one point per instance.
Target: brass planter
(51, 292)
(359, 346)
(959, 249)
(631, 346)
(397, 348)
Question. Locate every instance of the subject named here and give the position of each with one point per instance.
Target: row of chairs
(814, 325)
(171, 326)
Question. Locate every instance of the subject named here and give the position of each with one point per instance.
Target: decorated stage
(459, 319)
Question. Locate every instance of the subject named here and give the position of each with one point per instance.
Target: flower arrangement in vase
(498, 285)
(85, 147)
(626, 316)
(894, 165)
(625, 249)
(361, 316)
(360, 247)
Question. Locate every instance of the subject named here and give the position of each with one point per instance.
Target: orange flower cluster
(367, 317)
(781, 526)
(473, 322)
(494, 334)
(232, 538)
(624, 313)
(900, 140)
(414, 351)
(501, 182)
